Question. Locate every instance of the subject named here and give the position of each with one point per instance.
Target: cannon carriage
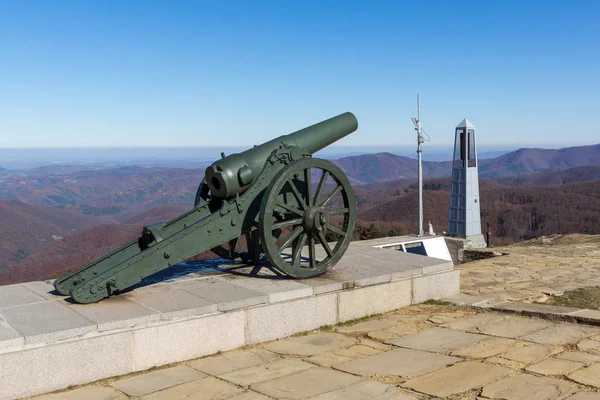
(297, 210)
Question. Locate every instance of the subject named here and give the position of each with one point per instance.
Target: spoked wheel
(316, 222)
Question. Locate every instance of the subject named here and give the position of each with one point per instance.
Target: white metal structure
(426, 246)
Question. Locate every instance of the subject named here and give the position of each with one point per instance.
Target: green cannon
(297, 210)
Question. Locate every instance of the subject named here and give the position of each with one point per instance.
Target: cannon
(297, 210)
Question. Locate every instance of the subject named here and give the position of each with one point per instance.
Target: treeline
(514, 213)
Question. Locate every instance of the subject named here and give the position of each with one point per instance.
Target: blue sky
(199, 73)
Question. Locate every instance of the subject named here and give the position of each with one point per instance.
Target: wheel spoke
(311, 251)
(320, 186)
(283, 224)
(297, 194)
(338, 211)
(289, 208)
(332, 194)
(336, 230)
(297, 250)
(325, 244)
(308, 181)
(297, 231)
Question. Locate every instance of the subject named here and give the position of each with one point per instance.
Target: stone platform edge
(536, 310)
(98, 355)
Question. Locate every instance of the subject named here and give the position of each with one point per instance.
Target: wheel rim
(317, 220)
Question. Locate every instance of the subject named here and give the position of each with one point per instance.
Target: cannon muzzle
(235, 173)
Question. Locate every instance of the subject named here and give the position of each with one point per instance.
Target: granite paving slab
(225, 294)
(528, 387)
(116, 312)
(233, 361)
(436, 340)
(87, 393)
(561, 334)
(323, 284)
(359, 272)
(17, 295)
(277, 289)
(309, 345)
(555, 366)
(266, 372)
(393, 264)
(207, 388)
(579, 356)
(48, 321)
(362, 390)
(44, 289)
(172, 303)
(305, 384)
(154, 381)
(400, 362)
(456, 379)
(588, 376)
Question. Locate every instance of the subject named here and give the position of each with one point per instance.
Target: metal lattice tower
(464, 218)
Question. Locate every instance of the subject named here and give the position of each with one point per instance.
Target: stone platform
(191, 310)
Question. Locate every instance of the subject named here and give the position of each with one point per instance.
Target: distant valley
(57, 218)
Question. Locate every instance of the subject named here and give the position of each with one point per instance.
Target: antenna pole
(419, 151)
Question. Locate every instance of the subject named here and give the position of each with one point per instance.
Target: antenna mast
(420, 140)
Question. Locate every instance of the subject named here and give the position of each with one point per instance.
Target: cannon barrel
(233, 174)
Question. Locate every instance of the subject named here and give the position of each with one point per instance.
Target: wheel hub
(315, 219)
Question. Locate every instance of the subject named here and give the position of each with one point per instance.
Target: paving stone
(207, 388)
(305, 384)
(173, 303)
(555, 366)
(588, 376)
(436, 339)
(593, 315)
(474, 322)
(277, 289)
(233, 361)
(367, 326)
(589, 345)
(339, 356)
(584, 396)
(513, 327)
(486, 348)
(249, 396)
(365, 390)
(458, 378)
(44, 289)
(266, 372)
(401, 362)
(391, 333)
(44, 322)
(87, 393)
(531, 353)
(17, 295)
(310, 345)
(227, 295)
(392, 262)
(560, 334)
(116, 312)
(154, 381)
(357, 270)
(503, 362)
(579, 356)
(444, 318)
(528, 387)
